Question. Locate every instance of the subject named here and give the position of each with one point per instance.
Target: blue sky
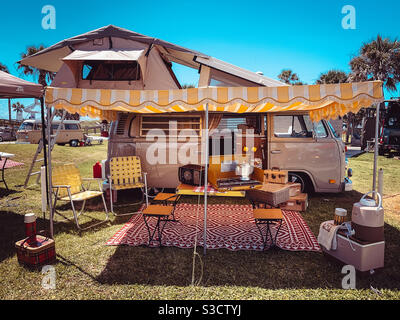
(303, 35)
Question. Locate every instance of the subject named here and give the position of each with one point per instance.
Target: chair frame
(143, 189)
(56, 189)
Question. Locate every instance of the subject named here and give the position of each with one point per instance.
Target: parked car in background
(389, 142)
(70, 132)
(7, 134)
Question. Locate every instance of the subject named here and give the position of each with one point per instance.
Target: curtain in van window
(213, 121)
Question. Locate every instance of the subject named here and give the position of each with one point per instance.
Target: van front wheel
(303, 179)
(74, 143)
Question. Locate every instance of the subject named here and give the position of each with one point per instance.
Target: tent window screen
(298, 126)
(111, 70)
(171, 126)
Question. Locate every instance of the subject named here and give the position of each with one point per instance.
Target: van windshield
(26, 126)
(333, 130)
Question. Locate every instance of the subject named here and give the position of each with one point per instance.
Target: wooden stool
(162, 213)
(167, 199)
(268, 217)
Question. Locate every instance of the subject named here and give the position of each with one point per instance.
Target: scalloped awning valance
(325, 101)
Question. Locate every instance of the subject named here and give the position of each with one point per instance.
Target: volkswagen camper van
(70, 132)
(313, 153)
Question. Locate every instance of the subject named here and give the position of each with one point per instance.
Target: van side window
(171, 125)
(223, 140)
(71, 126)
(297, 126)
(320, 130)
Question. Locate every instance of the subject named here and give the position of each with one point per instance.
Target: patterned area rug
(228, 226)
(10, 164)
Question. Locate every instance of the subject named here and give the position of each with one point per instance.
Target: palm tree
(332, 76)
(188, 86)
(18, 107)
(289, 77)
(43, 77)
(378, 60)
(3, 68)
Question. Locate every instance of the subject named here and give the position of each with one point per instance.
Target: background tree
(3, 68)
(18, 107)
(332, 76)
(188, 86)
(43, 77)
(289, 77)
(378, 60)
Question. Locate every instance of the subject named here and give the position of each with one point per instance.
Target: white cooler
(363, 256)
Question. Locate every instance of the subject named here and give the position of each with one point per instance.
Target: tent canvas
(14, 87)
(159, 53)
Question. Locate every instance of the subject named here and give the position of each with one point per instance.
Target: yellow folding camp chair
(67, 185)
(126, 173)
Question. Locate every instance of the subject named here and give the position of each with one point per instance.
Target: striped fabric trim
(322, 101)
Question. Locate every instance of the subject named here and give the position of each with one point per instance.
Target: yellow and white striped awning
(321, 101)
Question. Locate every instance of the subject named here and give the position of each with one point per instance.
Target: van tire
(74, 143)
(302, 178)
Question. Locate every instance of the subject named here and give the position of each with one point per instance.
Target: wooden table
(185, 189)
(268, 217)
(162, 213)
(6, 156)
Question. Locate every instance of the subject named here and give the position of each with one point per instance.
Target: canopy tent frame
(321, 101)
(12, 87)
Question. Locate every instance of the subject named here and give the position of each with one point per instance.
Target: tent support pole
(376, 146)
(49, 171)
(44, 146)
(206, 181)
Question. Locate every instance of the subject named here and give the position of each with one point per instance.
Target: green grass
(87, 269)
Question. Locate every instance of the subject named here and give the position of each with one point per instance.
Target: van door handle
(275, 151)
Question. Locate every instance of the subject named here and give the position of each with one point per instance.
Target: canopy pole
(44, 147)
(49, 170)
(206, 182)
(376, 146)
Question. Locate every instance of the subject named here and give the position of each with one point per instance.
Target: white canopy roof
(103, 55)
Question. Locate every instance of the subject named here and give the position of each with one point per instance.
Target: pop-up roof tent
(244, 91)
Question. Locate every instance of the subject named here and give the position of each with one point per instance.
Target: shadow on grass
(4, 192)
(272, 269)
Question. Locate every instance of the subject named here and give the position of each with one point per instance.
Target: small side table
(268, 217)
(6, 156)
(167, 199)
(162, 213)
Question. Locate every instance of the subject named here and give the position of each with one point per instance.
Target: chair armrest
(61, 186)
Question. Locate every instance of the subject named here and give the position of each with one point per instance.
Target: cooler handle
(379, 197)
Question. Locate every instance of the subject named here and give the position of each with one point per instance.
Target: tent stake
(206, 182)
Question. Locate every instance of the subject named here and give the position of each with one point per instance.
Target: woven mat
(228, 226)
